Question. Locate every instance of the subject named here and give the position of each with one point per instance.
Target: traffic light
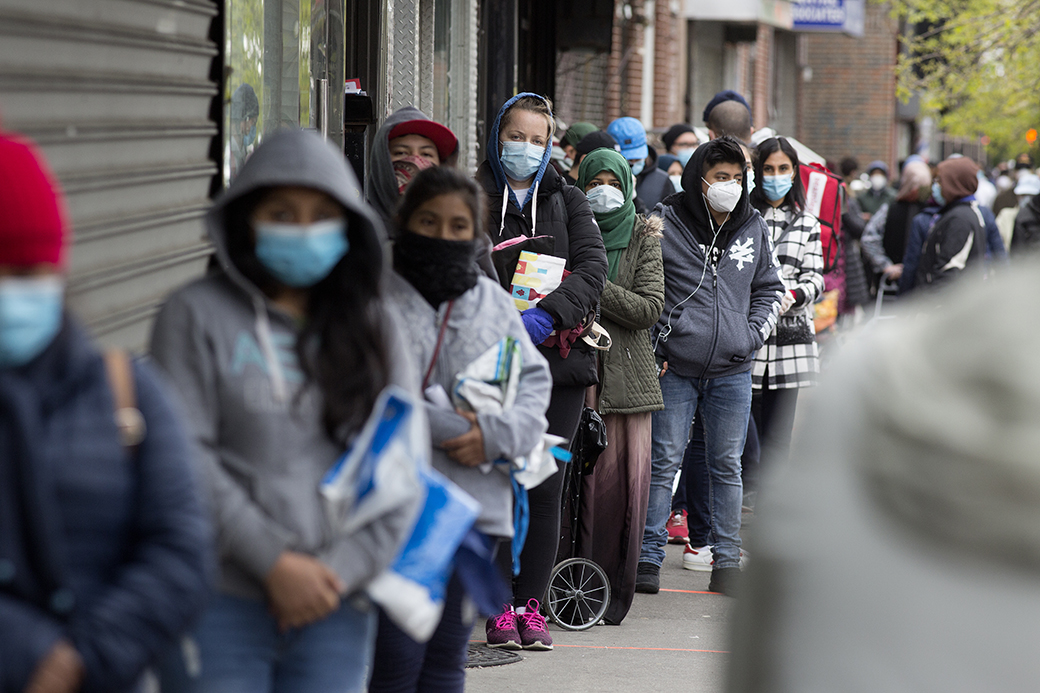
(1031, 135)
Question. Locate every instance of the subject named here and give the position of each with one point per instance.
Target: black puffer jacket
(956, 242)
(563, 213)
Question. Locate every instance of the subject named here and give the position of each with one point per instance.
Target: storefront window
(276, 52)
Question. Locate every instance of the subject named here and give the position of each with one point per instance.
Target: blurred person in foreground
(105, 550)
(923, 447)
(280, 357)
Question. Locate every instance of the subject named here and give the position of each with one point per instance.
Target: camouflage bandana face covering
(407, 168)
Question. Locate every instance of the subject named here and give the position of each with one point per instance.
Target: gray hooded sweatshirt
(381, 183)
(479, 318)
(230, 353)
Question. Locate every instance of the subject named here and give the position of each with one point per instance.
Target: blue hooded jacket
(495, 159)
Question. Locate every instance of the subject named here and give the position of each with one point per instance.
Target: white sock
(521, 610)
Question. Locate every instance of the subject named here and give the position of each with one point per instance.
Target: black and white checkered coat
(793, 359)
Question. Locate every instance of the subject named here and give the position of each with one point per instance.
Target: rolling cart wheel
(578, 594)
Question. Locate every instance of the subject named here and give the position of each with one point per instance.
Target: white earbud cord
(663, 334)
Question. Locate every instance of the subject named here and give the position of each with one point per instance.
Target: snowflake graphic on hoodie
(743, 252)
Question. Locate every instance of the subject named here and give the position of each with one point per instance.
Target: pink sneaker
(678, 530)
(531, 624)
(501, 630)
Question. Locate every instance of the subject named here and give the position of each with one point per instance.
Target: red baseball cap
(442, 137)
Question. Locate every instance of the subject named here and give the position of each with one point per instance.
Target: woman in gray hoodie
(279, 357)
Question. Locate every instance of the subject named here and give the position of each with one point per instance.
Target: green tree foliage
(976, 63)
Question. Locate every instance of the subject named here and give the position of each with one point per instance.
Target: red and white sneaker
(678, 530)
(697, 559)
(702, 559)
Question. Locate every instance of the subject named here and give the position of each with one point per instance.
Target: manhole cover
(480, 655)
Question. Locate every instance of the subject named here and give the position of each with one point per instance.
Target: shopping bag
(411, 591)
(536, 276)
(380, 472)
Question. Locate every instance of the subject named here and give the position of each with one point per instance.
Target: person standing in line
(280, 357)
(569, 143)
(722, 297)
(105, 548)
(599, 139)
(887, 233)
(680, 140)
(879, 193)
(614, 497)
(527, 198)
(437, 285)
(789, 360)
(408, 142)
(652, 184)
(957, 237)
(1025, 237)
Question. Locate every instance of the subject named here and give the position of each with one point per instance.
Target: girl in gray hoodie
(455, 315)
(279, 356)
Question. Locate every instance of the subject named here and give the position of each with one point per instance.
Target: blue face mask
(30, 317)
(521, 160)
(251, 137)
(301, 255)
(637, 167)
(937, 194)
(776, 187)
(684, 155)
(749, 175)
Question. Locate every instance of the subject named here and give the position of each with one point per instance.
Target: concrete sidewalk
(674, 640)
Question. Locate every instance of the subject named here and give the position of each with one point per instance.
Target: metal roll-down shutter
(119, 95)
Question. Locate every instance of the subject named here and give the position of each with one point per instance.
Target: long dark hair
(342, 347)
(437, 181)
(796, 195)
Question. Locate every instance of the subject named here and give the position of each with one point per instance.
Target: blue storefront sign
(829, 15)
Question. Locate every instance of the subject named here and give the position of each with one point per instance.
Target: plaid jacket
(790, 358)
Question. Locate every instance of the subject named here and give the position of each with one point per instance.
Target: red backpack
(824, 197)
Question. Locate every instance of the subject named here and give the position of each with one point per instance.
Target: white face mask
(605, 198)
(878, 181)
(723, 197)
(676, 182)
(750, 175)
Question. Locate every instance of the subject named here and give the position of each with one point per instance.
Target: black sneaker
(648, 578)
(724, 581)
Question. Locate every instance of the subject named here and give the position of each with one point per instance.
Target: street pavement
(674, 640)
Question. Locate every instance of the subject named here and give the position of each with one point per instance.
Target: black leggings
(402, 665)
(543, 534)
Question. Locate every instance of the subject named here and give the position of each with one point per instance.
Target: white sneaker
(702, 559)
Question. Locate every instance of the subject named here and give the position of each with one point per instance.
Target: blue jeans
(236, 648)
(725, 407)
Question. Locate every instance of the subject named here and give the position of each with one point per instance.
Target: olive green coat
(629, 307)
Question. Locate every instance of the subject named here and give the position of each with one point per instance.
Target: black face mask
(439, 270)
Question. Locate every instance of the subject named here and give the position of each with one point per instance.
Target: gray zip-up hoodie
(230, 353)
(479, 318)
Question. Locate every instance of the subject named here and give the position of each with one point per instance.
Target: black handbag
(590, 441)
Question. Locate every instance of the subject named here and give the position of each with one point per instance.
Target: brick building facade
(848, 92)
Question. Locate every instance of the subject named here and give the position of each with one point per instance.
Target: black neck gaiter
(440, 270)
